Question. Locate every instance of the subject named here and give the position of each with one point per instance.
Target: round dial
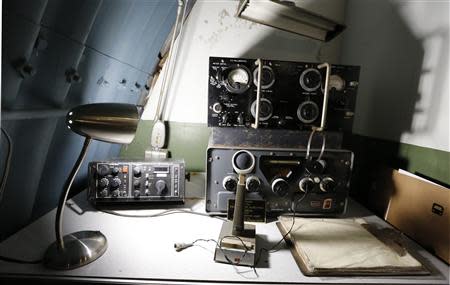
(267, 77)
(161, 187)
(137, 171)
(310, 79)
(252, 183)
(230, 183)
(115, 183)
(103, 170)
(103, 183)
(236, 79)
(280, 187)
(137, 184)
(103, 193)
(115, 171)
(316, 166)
(115, 193)
(327, 184)
(308, 112)
(306, 184)
(265, 109)
(136, 193)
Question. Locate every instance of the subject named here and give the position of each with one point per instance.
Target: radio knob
(327, 184)
(240, 119)
(103, 170)
(137, 171)
(225, 118)
(115, 183)
(103, 193)
(161, 187)
(115, 193)
(137, 184)
(136, 193)
(252, 183)
(115, 171)
(217, 107)
(280, 187)
(306, 184)
(103, 183)
(230, 183)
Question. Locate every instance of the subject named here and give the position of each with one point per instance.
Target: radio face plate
(290, 165)
(131, 182)
(291, 94)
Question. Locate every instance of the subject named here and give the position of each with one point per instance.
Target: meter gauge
(236, 79)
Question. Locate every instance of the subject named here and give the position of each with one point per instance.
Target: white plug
(158, 137)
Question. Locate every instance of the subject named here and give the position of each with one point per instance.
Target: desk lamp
(108, 122)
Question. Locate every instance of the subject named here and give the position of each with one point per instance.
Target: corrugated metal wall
(112, 44)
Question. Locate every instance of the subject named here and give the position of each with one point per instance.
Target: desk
(141, 250)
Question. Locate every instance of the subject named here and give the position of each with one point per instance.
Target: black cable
(7, 165)
(14, 260)
(271, 249)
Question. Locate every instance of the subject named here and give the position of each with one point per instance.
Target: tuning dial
(103, 183)
(103, 193)
(310, 79)
(137, 184)
(217, 107)
(161, 187)
(115, 183)
(115, 171)
(136, 193)
(327, 184)
(230, 183)
(137, 171)
(308, 112)
(280, 187)
(306, 185)
(265, 109)
(103, 170)
(267, 77)
(252, 183)
(316, 166)
(115, 193)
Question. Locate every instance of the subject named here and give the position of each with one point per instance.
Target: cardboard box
(420, 209)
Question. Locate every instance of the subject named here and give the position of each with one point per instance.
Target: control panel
(112, 182)
(292, 94)
(315, 184)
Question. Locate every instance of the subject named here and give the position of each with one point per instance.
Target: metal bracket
(325, 96)
(258, 93)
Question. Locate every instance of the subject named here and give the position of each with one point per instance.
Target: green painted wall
(431, 162)
(186, 140)
(189, 141)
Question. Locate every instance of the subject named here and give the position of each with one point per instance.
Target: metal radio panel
(280, 177)
(131, 182)
(292, 94)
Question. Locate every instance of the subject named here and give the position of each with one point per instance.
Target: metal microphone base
(237, 250)
(80, 248)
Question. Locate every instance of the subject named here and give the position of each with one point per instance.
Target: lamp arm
(65, 193)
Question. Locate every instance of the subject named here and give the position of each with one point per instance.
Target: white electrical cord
(171, 58)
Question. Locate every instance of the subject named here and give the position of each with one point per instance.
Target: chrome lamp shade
(108, 122)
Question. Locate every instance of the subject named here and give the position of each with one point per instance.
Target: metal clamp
(258, 93)
(325, 96)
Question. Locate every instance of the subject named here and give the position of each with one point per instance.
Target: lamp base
(80, 248)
